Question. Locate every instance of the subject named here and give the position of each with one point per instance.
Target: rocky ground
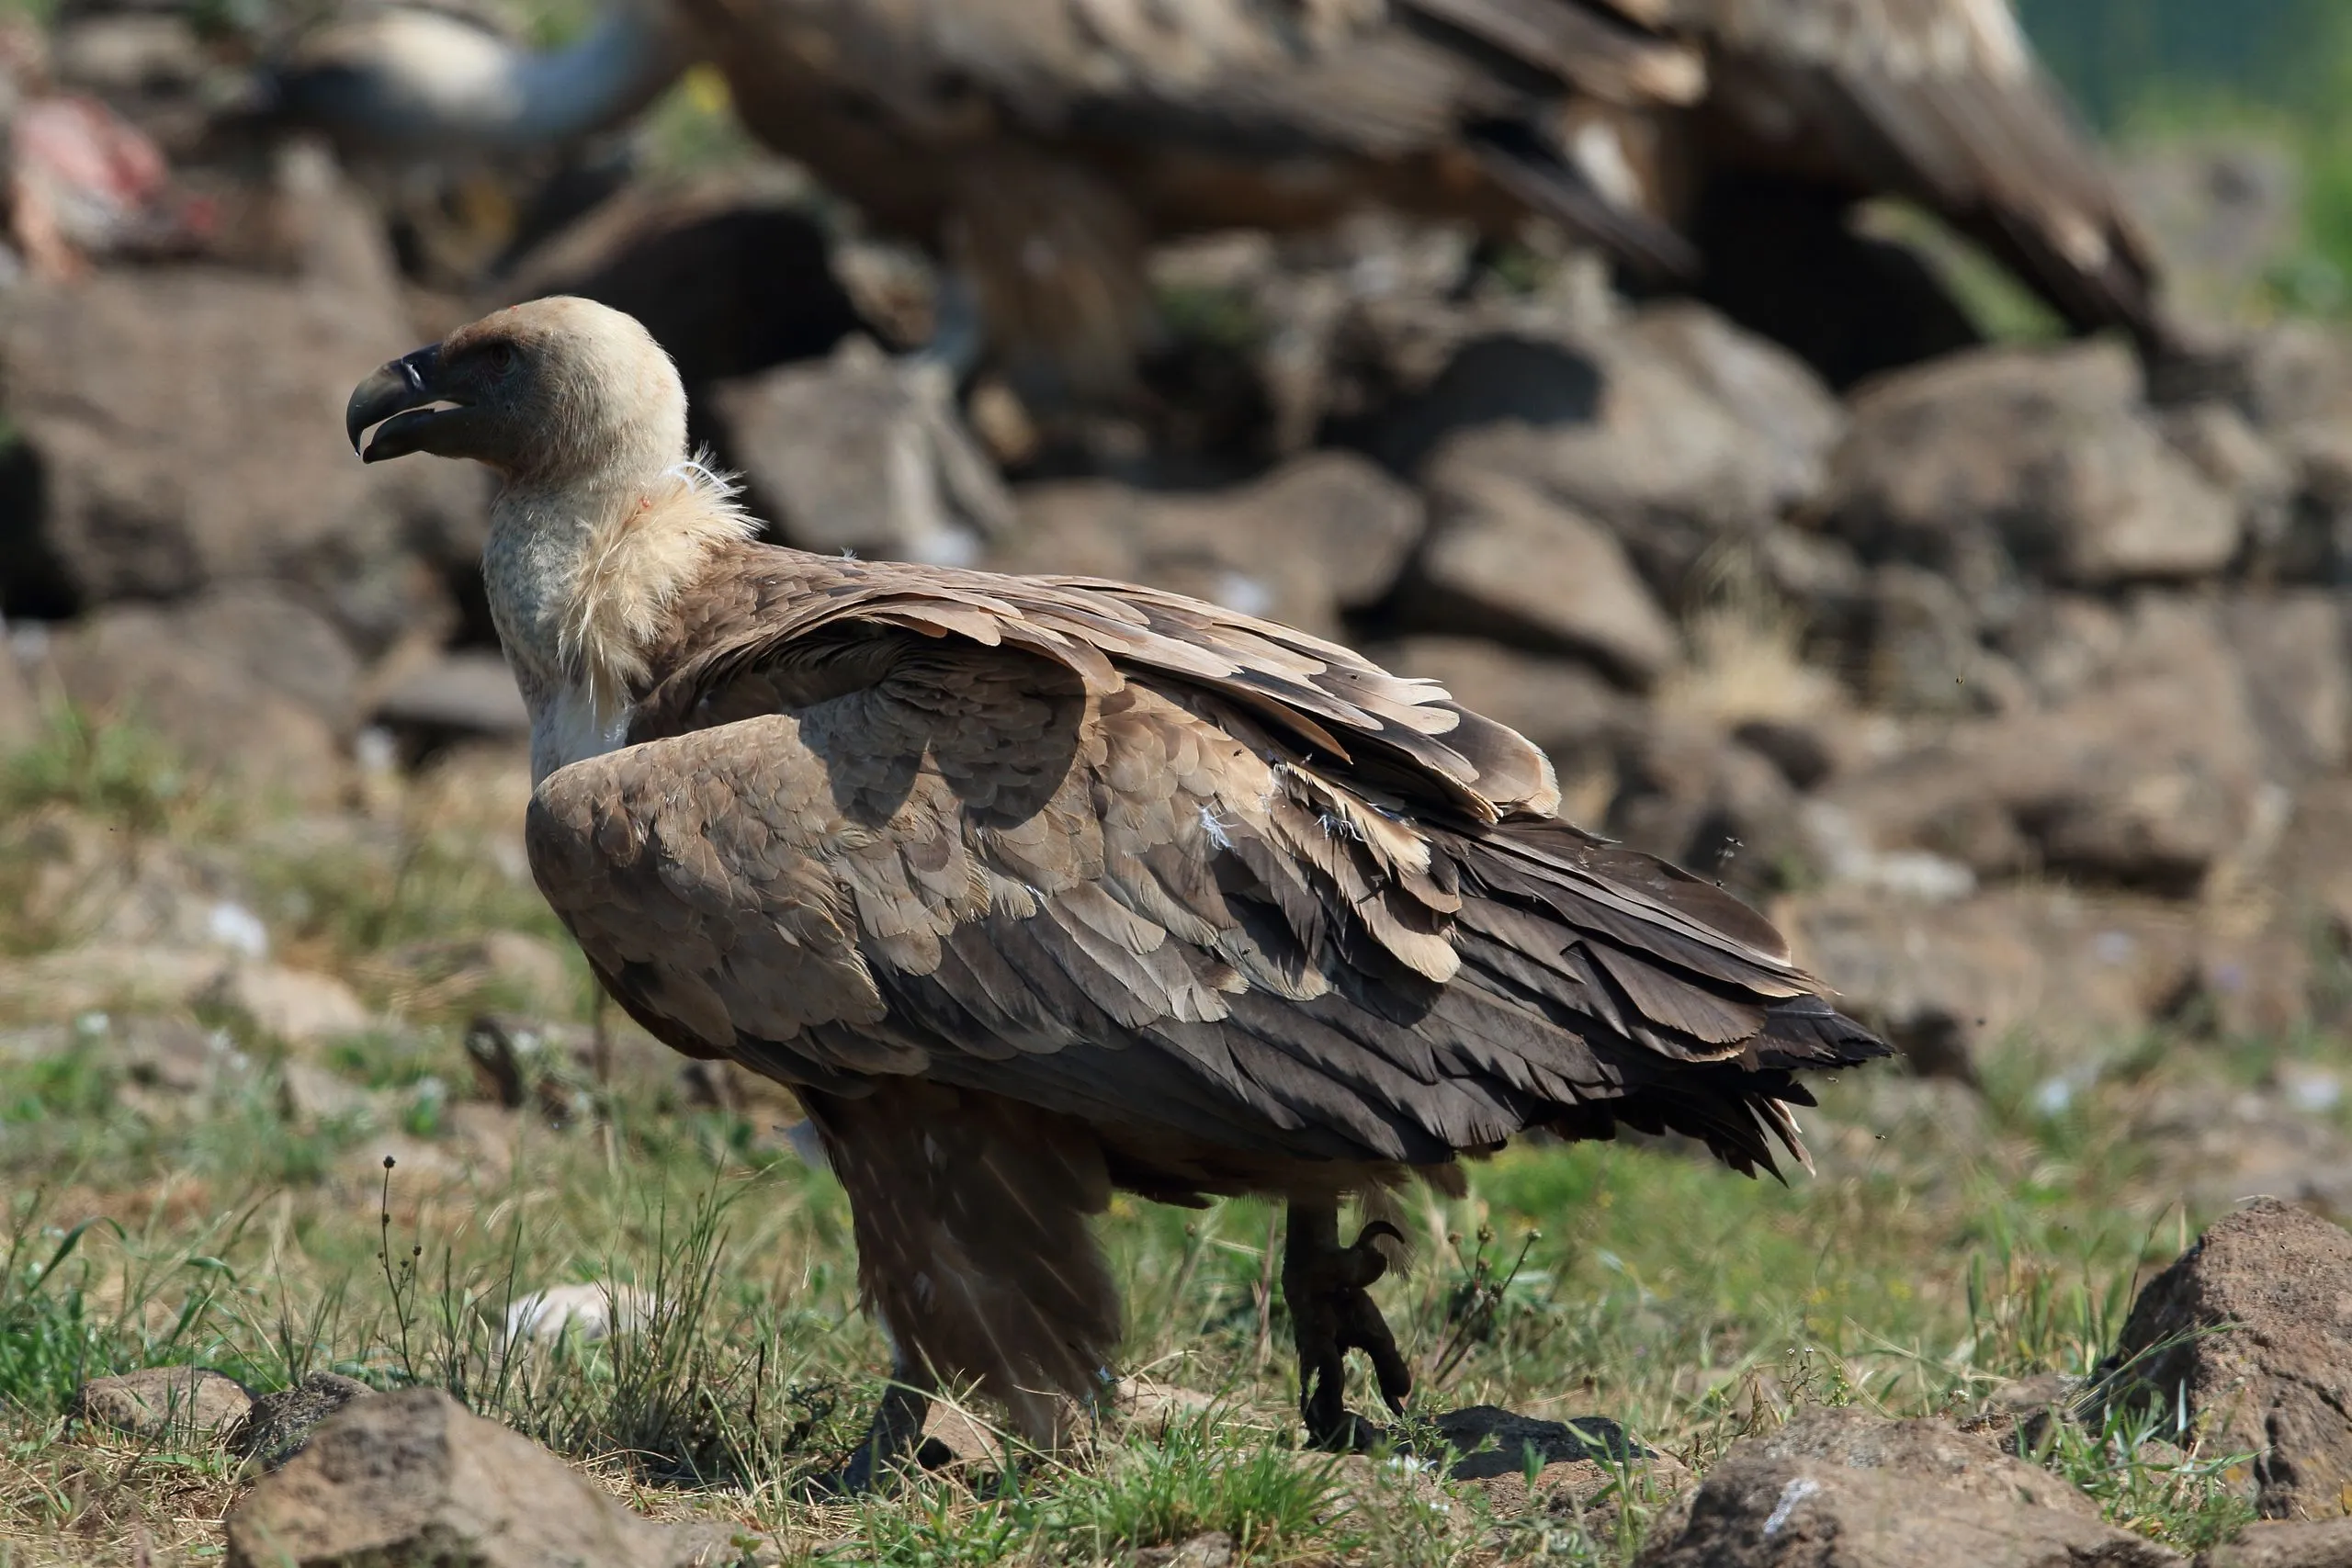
(2016, 687)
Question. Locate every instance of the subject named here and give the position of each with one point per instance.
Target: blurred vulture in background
(1040, 146)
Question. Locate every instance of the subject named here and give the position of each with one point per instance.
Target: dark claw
(894, 1435)
(1332, 1314)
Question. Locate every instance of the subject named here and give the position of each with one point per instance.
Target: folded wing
(1131, 859)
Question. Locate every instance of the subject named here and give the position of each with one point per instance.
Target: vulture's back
(1240, 901)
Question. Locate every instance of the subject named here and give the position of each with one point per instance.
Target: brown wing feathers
(1079, 848)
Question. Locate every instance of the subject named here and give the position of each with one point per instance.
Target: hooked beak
(400, 398)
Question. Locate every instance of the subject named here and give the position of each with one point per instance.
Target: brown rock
(187, 423)
(280, 1424)
(1670, 430)
(1559, 704)
(134, 975)
(2149, 778)
(20, 715)
(1688, 792)
(864, 453)
(2305, 1544)
(1212, 1548)
(2291, 652)
(2223, 213)
(299, 1006)
(149, 665)
(464, 692)
(1922, 648)
(1845, 1489)
(2242, 464)
(953, 1438)
(87, 881)
(2283, 1140)
(1506, 560)
(164, 1403)
(1150, 1405)
(2251, 1327)
(2062, 967)
(2043, 462)
(411, 1477)
(1321, 535)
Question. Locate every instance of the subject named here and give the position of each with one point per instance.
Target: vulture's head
(557, 392)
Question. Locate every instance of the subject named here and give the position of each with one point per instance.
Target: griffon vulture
(1037, 887)
(1042, 144)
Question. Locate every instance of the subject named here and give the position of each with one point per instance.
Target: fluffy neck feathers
(581, 580)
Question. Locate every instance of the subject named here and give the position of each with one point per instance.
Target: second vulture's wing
(1942, 101)
(942, 832)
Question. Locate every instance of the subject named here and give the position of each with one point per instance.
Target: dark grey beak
(400, 398)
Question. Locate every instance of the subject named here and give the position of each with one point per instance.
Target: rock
(171, 1067)
(953, 1438)
(729, 271)
(88, 882)
(412, 1477)
(864, 453)
(1213, 1548)
(1320, 536)
(1803, 754)
(1670, 430)
(584, 1314)
(2149, 778)
(2222, 214)
(446, 695)
(1839, 1488)
(310, 1095)
(280, 1425)
(2251, 1328)
(1155, 1407)
(164, 1403)
(2018, 1415)
(1507, 561)
(2292, 653)
(2304, 1543)
(1922, 650)
(297, 1006)
(149, 665)
(2282, 1140)
(2015, 462)
(2060, 969)
(1773, 395)
(136, 977)
(1488, 1441)
(1559, 704)
(2242, 464)
(1689, 792)
(20, 715)
(183, 430)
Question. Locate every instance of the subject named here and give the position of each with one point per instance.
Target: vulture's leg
(1327, 1287)
(894, 1433)
(974, 1252)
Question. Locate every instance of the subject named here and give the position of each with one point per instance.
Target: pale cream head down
(601, 522)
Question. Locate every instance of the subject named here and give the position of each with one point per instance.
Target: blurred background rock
(2015, 678)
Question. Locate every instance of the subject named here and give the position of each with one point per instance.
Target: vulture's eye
(499, 357)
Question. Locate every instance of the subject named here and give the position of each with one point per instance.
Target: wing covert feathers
(1231, 894)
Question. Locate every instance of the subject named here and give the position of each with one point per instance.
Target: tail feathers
(1806, 1031)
